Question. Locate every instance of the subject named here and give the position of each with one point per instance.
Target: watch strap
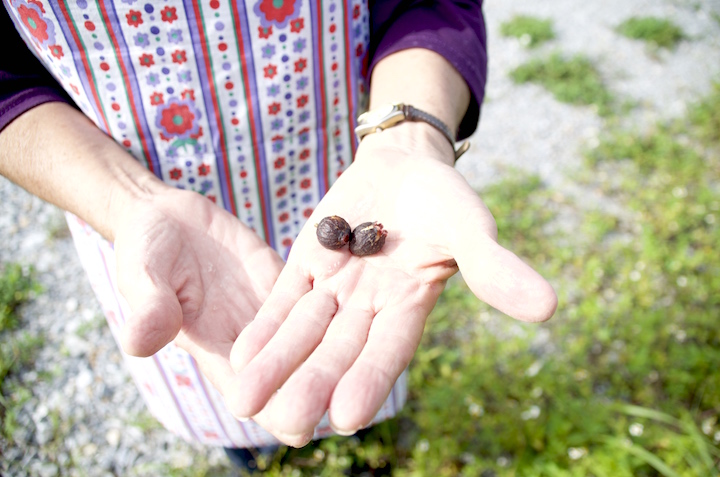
(412, 113)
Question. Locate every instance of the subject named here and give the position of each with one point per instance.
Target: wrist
(417, 140)
(132, 188)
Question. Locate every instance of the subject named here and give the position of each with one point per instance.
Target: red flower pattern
(297, 25)
(270, 71)
(169, 14)
(265, 32)
(38, 4)
(277, 13)
(175, 174)
(274, 108)
(147, 60)
(204, 169)
(188, 93)
(281, 191)
(134, 18)
(36, 25)
(300, 65)
(279, 162)
(56, 51)
(156, 98)
(178, 56)
(304, 154)
(305, 184)
(302, 101)
(177, 119)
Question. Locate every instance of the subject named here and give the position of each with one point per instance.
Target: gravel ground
(85, 416)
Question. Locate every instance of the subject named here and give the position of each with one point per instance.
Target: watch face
(378, 114)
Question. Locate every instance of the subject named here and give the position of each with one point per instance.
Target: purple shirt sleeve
(24, 82)
(453, 29)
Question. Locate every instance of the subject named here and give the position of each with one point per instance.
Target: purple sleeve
(453, 29)
(24, 82)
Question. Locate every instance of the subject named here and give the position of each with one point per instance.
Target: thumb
(156, 317)
(500, 278)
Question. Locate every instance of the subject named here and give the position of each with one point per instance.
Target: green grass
(531, 31)
(17, 348)
(658, 32)
(16, 287)
(571, 80)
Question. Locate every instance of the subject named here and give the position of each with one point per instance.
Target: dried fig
(367, 238)
(333, 232)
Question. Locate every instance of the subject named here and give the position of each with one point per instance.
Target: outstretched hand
(337, 330)
(192, 272)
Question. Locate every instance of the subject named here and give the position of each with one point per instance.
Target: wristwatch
(389, 115)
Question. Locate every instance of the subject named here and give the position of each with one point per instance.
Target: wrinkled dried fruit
(333, 232)
(367, 238)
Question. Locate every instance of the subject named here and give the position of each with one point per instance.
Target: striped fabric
(251, 104)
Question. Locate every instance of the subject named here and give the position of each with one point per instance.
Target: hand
(189, 270)
(337, 330)
(192, 272)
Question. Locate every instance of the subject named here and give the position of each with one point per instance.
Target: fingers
(499, 278)
(156, 317)
(293, 342)
(289, 288)
(394, 336)
(263, 418)
(303, 400)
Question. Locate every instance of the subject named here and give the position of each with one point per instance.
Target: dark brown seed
(367, 238)
(333, 232)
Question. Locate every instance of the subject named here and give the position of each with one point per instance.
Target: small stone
(89, 449)
(46, 470)
(113, 437)
(71, 304)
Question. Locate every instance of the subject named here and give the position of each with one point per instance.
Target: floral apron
(251, 104)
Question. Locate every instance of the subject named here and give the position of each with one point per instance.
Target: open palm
(337, 330)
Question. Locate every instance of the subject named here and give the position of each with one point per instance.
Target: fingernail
(241, 418)
(295, 440)
(341, 432)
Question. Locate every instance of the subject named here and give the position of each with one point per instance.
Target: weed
(656, 31)
(16, 287)
(529, 30)
(574, 80)
(17, 347)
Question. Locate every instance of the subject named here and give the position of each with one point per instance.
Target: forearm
(427, 81)
(56, 153)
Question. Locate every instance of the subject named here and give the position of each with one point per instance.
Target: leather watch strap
(414, 114)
